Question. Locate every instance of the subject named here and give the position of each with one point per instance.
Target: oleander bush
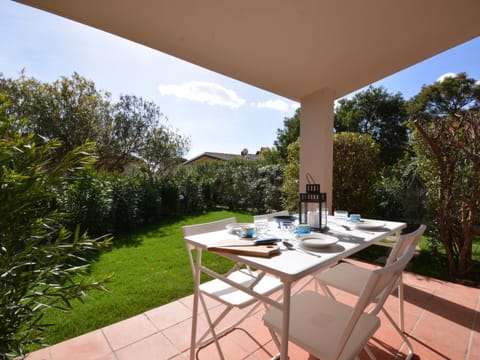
(115, 203)
(355, 172)
(235, 184)
(41, 262)
(88, 203)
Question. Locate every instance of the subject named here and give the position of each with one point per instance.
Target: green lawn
(150, 269)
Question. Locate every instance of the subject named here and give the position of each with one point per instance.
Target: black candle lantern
(313, 208)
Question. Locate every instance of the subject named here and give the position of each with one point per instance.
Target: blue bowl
(284, 218)
(303, 229)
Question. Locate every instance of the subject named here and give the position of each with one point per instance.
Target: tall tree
(164, 150)
(379, 114)
(270, 155)
(452, 95)
(288, 135)
(70, 110)
(138, 128)
(73, 111)
(446, 119)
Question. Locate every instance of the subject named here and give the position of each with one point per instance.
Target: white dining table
(289, 266)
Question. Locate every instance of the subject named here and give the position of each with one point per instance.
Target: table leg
(196, 281)
(285, 321)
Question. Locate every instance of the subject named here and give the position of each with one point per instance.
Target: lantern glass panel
(313, 210)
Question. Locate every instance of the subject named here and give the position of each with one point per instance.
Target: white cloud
(277, 104)
(442, 77)
(204, 92)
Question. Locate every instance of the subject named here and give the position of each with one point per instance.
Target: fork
(290, 246)
(366, 232)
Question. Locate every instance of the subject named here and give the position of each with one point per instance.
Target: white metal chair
(270, 216)
(351, 278)
(330, 330)
(223, 292)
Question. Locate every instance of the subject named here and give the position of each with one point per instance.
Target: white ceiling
(290, 47)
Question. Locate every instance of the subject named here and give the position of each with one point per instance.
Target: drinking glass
(340, 216)
(288, 229)
(261, 225)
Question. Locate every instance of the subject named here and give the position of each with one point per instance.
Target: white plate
(368, 224)
(317, 240)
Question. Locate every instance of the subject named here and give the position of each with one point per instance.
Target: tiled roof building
(215, 156)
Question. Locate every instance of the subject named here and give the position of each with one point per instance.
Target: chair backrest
(199, 229)
(271, 215)
(404, 242)
(379, 285)
(207, 227)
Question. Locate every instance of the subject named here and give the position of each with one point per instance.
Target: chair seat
(317, 323)
(230, 295)
(346, 277)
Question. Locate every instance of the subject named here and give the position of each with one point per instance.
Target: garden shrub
(118, 204)
(169, 197)
(190, 191)
(235, 184)
(355, 171)
(88, 203)
(125, 198)
(267, 188)
(41, 263)
(150, 202)
(290, 187)
(389, 194)
(121, 203)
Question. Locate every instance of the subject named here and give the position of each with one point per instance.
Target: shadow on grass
(171, 226)
(134, 238)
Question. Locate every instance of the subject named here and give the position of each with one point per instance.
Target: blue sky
(218, 113)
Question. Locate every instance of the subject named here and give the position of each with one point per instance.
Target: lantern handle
(310, 179)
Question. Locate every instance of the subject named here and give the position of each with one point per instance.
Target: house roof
(291, 47)
(221, 156)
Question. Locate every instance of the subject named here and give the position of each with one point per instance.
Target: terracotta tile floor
(441, 319)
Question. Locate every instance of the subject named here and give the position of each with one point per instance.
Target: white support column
(316, 140)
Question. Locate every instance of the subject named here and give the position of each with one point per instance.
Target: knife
(265, 241)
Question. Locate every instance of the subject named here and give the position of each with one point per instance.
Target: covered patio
(441, 319)
(313, 52)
